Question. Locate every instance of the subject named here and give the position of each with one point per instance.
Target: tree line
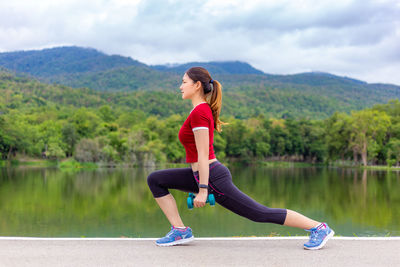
(103, 134)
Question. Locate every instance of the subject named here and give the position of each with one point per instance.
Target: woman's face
(188, 87)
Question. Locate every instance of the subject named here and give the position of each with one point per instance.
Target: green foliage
(88, 150)
(70, 137)
(154, 89)
(337, 131)
(51, 121)
(393, 152)
(367, 129)
(61, 61)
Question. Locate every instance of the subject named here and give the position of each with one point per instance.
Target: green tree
(18, 135)
(106, 113)
(85, 122)
(88, 150)
(337, 132)
(259, 138)
(393, 152)
(117, 141)
(295, 137)
(129, 118)
(312, 134)
(169, 135)
(367, 127)
(70, 137)
(237, 140)
(280, 142)
(50, 136)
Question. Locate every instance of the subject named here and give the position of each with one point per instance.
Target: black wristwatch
(203, 186)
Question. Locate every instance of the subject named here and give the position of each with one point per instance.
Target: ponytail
(215, 102)
(214, 99)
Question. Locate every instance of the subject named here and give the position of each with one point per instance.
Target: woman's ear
(197, 85)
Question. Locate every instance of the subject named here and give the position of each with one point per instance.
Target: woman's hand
(201, 198)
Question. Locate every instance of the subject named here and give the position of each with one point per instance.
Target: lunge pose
(207, 175)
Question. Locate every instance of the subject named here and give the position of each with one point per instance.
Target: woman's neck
(197, 105)
(196, 102)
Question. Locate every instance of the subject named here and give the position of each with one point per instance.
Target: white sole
(177, 242)
(331, 234)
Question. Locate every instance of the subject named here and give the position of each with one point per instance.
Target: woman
(207, 175)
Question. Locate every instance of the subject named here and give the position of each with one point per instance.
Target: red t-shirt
(199, 118)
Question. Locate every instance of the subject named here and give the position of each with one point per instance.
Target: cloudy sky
(354, 38)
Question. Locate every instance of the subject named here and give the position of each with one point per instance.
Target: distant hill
(227, 67)
(63, 61)
(318, 79)
(131, 78)
(247, 91)
(24, 94)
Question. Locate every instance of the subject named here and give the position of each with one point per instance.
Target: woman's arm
(201, 138)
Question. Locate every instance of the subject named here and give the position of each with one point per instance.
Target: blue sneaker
(319, 236)
(175, 237)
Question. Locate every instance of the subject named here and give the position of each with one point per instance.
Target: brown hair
(215, 100)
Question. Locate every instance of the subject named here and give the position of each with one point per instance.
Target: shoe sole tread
(176, 242)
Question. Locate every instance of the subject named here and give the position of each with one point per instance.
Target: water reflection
(117, 202)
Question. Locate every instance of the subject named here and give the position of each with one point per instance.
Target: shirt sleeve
(199, 120)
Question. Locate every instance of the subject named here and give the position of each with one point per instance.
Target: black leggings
(221, 185)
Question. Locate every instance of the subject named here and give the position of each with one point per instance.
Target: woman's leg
(161, 180)
(295, 219)
(167, 204)
(230, 197)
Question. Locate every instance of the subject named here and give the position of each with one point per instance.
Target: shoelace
(170, 233)
(314, 235)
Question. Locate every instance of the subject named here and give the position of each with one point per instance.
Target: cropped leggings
(221, 185)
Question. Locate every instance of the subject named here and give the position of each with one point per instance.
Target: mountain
(131, 78)
(63, 61)
(226, 67)
(24, 94)
(318, 79)
(247, 91)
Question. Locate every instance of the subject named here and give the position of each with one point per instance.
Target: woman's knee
(152, 179)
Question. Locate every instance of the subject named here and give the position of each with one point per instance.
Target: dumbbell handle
(190, 199)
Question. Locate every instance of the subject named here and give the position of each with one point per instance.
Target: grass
(72, 164)
(33, 163)
(286, 164)
(351, 164)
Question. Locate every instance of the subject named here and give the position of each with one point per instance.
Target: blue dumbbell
(210, 199)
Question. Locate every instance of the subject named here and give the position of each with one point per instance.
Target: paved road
(201, 252)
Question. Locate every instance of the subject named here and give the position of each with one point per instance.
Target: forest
(57, 122)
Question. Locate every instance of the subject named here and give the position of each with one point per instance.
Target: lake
(51, 202)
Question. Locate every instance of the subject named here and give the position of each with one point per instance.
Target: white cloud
(356, 38)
